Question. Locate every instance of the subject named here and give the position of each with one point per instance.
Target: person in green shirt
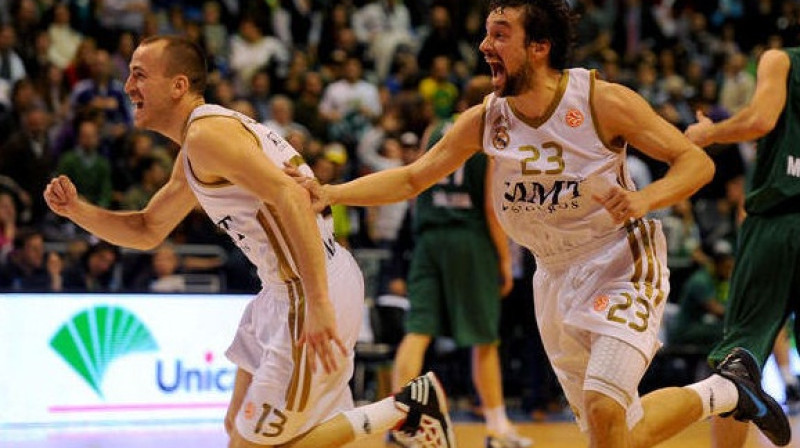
(702, 301)
(89, 170)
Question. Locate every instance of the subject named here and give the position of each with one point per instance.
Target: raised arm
(393, 185)
(628, 116)
(759, 116)
(144, 229)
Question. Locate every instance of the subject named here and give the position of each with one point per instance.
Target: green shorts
(453, 286)
(765, 288)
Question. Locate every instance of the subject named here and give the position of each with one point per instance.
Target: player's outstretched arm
(397, 184)
(143, 229)
(759, 116)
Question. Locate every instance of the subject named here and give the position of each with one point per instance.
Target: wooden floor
(469, 435)
(567, 435)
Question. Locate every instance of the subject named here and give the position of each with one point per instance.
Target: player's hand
(321, 337)
(61, 195)
(319, 200)
(698, 133)
(623, 204)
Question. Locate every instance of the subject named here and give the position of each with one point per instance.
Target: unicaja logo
(93, 338)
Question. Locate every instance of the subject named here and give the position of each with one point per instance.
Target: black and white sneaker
(428, 421)
(754, 403)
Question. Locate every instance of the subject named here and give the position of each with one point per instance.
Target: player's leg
(728, 432)
(240, 385)
(469, 278)
(611, 402)
(763, 285)
(409, 358)
(424, 315)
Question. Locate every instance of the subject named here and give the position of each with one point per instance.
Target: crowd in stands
(352, 85)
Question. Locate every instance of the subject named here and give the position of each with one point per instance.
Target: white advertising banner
(115, 358)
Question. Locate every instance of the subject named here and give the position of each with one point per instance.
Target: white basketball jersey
(545, 171)
(252, 225)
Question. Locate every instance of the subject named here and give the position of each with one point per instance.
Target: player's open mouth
(497, 68)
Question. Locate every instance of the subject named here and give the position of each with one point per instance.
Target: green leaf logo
(93, 338)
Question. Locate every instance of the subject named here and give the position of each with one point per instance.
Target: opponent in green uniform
(766, 280)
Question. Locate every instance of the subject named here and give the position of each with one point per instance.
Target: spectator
(105, 93)
(121, 56)
(328, 169)
(8, 225)
(335, 19)
(437, 88)
(12, 68)
(123, 15)
(152, 176)
(282, 121)
(163, 272)
(260, 93)
(306, 108)
(139, 146)
(64, 40)
(54, 91)
(383, 25)
(215, 34)
(737, 85)
(702, 301)
(251, 51)
(349, 105)
(90, 170)
(80, 66)
(684, 251)
(442, 40)
(28, 158)
(94, 273)
(29, 269)
(369, 146)
(244, 107)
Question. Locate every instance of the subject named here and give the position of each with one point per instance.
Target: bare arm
(223, 148)
(393, 185)
(629, 116)
(759, 116)
(143, 229)
(498, 236)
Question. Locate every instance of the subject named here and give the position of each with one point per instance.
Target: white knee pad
(615, 369)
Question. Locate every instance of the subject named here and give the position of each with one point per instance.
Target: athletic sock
(717, 393)
(375, 417)
(497, 420)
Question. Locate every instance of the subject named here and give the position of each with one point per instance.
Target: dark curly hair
(546, 20)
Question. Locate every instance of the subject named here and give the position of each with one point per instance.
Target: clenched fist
(61, 195)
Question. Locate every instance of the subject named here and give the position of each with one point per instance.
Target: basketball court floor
(557, 434)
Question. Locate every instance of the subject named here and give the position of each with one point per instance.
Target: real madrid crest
(500, 137)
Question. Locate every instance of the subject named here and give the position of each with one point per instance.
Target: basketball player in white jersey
(557, 139)
(294, 346)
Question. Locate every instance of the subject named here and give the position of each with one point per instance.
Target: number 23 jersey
(546, 170)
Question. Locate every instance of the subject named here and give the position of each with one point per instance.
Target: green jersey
(776, 179)
(457, 200)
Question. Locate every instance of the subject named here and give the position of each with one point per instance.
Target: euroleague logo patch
(249, 410)
(573, 118)
(600, 303)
